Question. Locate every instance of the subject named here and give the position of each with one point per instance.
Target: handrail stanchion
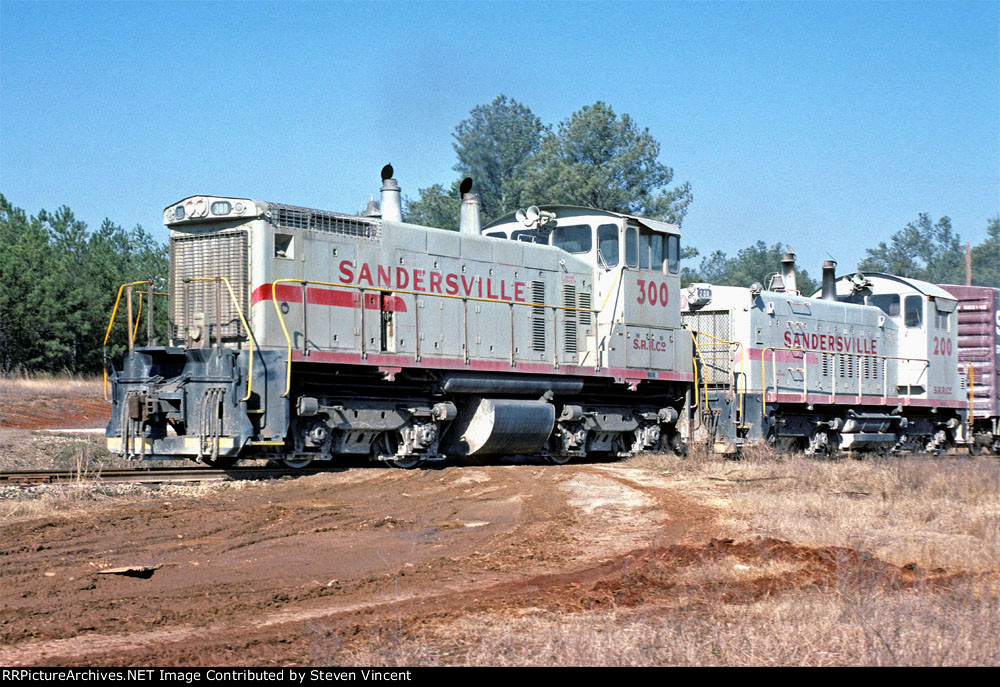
(305, 324)
(131, 334)
(218, 315)
(513, 360)
(150, 334)
(416, 328)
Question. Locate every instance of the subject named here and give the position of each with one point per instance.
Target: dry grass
(49, 386)
(24, 449)
(843, 626)
(936, 512)
(931, 512)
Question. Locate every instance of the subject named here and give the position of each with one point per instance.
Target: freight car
(867, 362)
(302, 335)
(979, 354)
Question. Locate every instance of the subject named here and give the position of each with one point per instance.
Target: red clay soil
(54, 413)
(253, 575)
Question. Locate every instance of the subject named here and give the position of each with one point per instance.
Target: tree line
(58, 282)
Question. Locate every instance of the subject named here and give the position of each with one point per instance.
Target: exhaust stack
(788, 270)
(392, 207)
(829, 280)
(468, 219)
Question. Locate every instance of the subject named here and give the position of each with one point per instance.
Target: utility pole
(968, 264)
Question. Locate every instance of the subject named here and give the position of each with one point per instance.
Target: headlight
(195, 207)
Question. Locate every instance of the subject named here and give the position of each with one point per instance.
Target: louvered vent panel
(585, 306)
(219, 254)
(538, 316)
(291, 217)
(569, 319)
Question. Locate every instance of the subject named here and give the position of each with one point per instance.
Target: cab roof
(567, 211)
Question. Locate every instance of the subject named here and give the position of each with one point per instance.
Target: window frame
(919, 311)
(590, 238)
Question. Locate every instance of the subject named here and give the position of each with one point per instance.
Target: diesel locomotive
(305, 337)
(867, 362)
(301, 335)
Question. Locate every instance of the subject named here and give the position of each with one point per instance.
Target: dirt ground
(53, 412)
(288, 572)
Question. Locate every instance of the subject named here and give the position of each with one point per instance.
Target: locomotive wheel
(557, 458)
(222, 462)
(295, 463)
(384, 449)
(406, 462)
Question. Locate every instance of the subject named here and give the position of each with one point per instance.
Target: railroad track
(147, 475)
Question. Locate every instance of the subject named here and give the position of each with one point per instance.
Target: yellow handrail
(306, 282)
(138, 315)
(232, 295)
(763, 368)
(239, 311)
(740, 375)
(611, 290)
(111, 321)
(695, 365)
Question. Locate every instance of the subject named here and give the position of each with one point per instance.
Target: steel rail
(147, 475)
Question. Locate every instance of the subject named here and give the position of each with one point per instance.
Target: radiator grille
(218, 254)
(716, 357)
(291, 217)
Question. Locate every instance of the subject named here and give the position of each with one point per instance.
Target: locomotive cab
(636, 266)
(924, 315)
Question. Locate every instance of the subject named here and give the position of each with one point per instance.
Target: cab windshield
(575, 238)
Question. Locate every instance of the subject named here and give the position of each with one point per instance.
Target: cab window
(651, 251)
(607, 244)
(674, 254)
(575, 238)
(913, 308)
(887, 302)
(526, 235)
(632, 247)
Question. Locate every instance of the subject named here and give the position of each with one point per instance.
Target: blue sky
(825, 125)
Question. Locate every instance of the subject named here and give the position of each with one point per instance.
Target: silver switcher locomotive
(302, 335)
(867, 362)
